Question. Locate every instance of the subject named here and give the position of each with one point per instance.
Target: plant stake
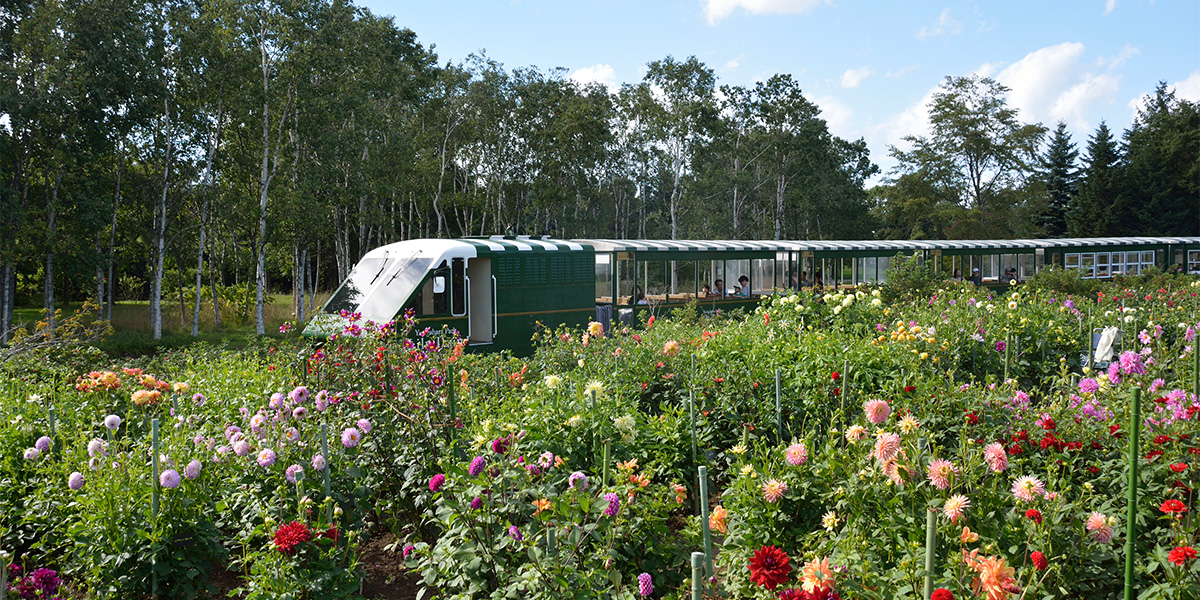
(154, 502)
(697, 575)
(704, 521)
(930, 547)
(1135, 424)
(778, 410)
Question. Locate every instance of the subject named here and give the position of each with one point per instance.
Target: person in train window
(958, 274)
(1010, 275)
(818, 282)
(804, 282)
(638, 297)
(744, 286)
(705, 291)
(721, 291)
(976, 278)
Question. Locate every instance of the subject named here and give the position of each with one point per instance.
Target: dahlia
(855, 433)
(830, 521)
(364, 426)
(797, 454)
(266, 457)
(969, 536)
(75, 481)
(769, 567)
(294, 473)
(614, 504)
(887, 446)
(478, 464)
(718, 519)
(877, 411)
(996, 457)
(169, 478)
(1039, 560)
(1173, 507)
(940, 471)
(942, 594)
(577, 480)
(773, 490)
(351, 437)
(287, 537)
(815, 575)
(645, 584)
(319, 463)
(1034, 515)
(1181, 554)
(436, 482)
(192, 470)
(1028, 487)
(955, 506)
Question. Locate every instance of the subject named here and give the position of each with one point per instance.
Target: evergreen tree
(1162, 168)
(1092, 215)
(1061, 181)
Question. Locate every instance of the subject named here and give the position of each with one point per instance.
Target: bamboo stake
(697, 576)
(778, 410)
(1135, 423)
(930, 547)
(704, 519)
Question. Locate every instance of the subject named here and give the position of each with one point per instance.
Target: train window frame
(679, 289)
(1026, 266)
(1116, 264)
(1102, 260)
(1193, 262)
(759, 277)
(604, 277)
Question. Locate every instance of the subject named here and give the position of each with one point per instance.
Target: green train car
(496, 290)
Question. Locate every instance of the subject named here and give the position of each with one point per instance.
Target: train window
(684, 284)
(604, 277)
(626, 276)
(1179, 258)
(1025, 266)
(882, 266)
(735, 269)
(655, 280)
(1087, 262)
(1118, 264)
(1133, 263)
(762, 278)
(1193, 265)
(991, 268)
(1102, 264)
(1007, 261)
(1072, 261)
(704, 274)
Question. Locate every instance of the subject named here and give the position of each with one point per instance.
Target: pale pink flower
(1096, 521)
(855, 433)
(955, 506)
(996, 457)
(1103, 535)
(940, 471)
(887, 446)
(773, 490)
(877, 411)
(797, 454)
(1028, 487)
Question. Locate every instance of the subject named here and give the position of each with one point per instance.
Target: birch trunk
(51, 233)
(112, 234)
(208, 181)
(160, 229)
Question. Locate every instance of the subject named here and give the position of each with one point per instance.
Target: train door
(481, 301)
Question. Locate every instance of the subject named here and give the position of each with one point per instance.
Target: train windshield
(365, 274)
(397, 285)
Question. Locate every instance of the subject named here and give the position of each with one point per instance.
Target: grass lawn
(133, 330)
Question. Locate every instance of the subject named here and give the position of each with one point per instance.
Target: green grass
(133, 332)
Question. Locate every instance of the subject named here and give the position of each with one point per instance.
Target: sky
(871, 66)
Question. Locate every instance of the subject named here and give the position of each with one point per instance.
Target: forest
(184, 150)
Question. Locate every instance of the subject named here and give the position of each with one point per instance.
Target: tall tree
(1060, 177)
(1162, 168)
(1092, 215)
(686, 119)
(978, 153)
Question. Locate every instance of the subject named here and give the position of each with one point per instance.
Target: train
(496, 291)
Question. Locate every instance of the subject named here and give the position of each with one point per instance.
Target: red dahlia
(769, 567)
(1034, 515)
(941, 594)
(1039, 560)
(1171, 507)
(1181, 554)
(1178, 467)
(291, 535)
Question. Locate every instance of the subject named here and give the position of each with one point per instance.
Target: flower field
(868, 444)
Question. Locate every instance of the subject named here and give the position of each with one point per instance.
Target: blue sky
(870, 66)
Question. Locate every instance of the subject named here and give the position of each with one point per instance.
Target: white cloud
(602, 74)
(1109, 5)
(735, 62)
(1053, 84)
(1188, 89)
(837, 115)
(913, 120)
(853, 77)
(944, 25)
(989, 69)
(716, 10)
